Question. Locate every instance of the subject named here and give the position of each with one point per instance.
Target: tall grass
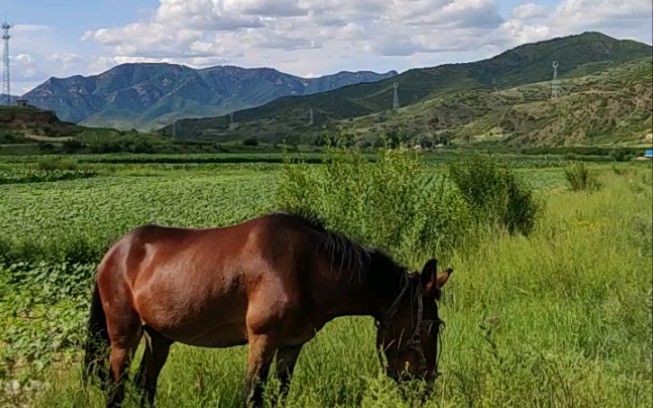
(580, 178)
(558, 318)
(561, 319)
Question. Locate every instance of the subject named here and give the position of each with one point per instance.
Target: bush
(494, 194)
(389, 203)
(250, 142)
(621, 155)
(8, 137)
(52, 164)
(72, 146)
(580, 178)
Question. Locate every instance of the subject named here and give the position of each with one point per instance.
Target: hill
(609, 107)
(30, 121)
(151, 95)
(288, 117)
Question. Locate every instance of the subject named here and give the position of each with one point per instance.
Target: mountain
(148, 95)
(288, 117)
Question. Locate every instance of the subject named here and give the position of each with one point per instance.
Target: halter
(414, 342)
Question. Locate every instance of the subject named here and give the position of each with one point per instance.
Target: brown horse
(270, 282)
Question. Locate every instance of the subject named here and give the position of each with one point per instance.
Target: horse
(271, 282)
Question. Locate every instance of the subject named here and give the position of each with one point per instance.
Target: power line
(6, 79)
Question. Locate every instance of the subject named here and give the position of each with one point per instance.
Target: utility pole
(180, 53)
(395, 99)
(232, 124)
(311, 120)
(555, 83)
(6, 79)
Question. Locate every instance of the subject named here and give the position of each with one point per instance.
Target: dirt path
(48, 139)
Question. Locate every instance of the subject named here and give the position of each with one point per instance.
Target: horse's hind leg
(125, 332)
(286, 359)
(156, 352)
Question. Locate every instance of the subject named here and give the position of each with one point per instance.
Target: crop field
(560, 317)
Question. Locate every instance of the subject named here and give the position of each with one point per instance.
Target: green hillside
(288, 118)
(609, 107)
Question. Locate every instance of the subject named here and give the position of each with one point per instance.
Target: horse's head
(408, 336)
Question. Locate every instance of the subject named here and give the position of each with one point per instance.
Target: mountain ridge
(150, 94)
(527, 63)
(287, 118)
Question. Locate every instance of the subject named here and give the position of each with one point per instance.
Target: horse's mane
(363, 264)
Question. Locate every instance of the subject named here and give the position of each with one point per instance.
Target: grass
(580, 178)
(561, 318)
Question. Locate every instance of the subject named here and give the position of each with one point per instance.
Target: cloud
(268, 8)
(29, 28)
(620, 19)
(65, 58)
(289, 25)
(24, 68)
(529, 10)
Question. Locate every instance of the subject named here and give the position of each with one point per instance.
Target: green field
(561, 318)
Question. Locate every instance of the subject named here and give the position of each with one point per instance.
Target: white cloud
(268, 8)
(530, 22)
(529, 10)
(24, 68)
(382, 27)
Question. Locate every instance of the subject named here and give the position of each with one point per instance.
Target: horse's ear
(433, 282)
(443, 278)
(429, 273)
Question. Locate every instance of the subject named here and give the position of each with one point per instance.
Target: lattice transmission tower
(395, 99)
(6, 78)
(555, 83)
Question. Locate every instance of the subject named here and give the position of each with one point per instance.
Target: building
(648, 153)
(22, 103)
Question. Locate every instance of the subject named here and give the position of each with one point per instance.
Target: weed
(580, 178)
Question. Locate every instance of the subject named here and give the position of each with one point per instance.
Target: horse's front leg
(259, 357)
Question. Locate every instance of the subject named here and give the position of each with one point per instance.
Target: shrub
(52, 164)
(72, 146)
(621, 155)
(494, 193)
(8, 137)
(250, 142)
(580, 178)
(389, 203)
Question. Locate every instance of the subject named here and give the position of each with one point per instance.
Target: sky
(307, 38)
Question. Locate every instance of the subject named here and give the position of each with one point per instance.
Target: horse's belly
(217, 336)
(201, 322)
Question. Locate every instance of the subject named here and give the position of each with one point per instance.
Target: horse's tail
(97, 340)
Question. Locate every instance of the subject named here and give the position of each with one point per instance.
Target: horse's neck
(365, 297)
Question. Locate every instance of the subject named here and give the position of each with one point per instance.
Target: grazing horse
(270, 282)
